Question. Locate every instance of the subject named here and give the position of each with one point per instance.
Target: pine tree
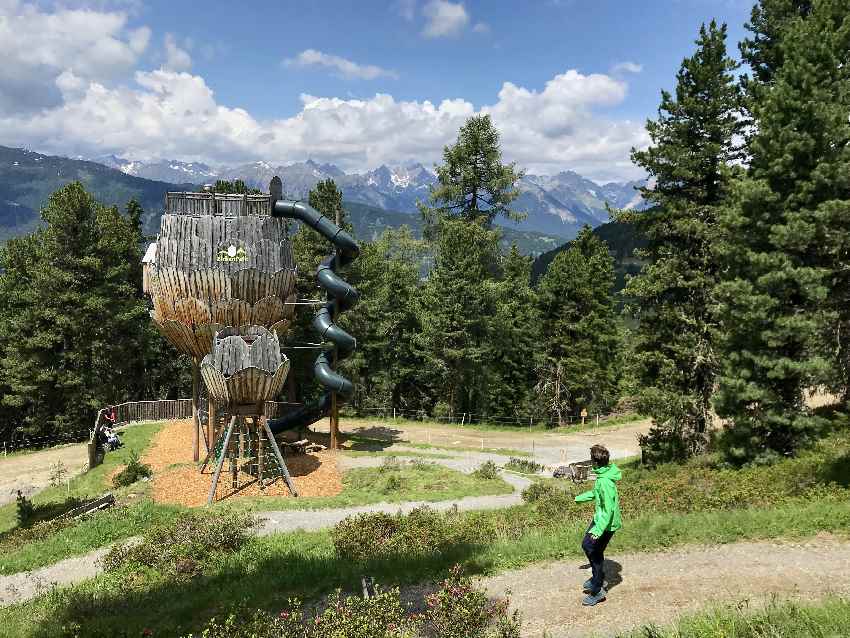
(785, 240)
(514, 341)
(472, 183)
(72, 320)
(455, 306)
(579, 324)
(386, 370)
(674, 348)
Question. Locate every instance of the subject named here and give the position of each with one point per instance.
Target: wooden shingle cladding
(214, 271)
(245, 366)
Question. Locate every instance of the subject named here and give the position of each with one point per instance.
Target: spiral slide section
(341, 295)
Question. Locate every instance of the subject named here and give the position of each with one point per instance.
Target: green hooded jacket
(606, 517)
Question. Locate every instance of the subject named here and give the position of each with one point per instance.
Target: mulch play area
(177, 480)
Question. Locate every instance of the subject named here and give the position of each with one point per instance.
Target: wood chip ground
(178, 481)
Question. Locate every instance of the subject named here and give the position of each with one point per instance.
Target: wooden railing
(159, 410)
(227, 204)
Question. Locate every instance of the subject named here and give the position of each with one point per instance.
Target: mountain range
(557, 205)
(386, 197)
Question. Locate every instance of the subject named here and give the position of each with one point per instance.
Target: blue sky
(569, 82)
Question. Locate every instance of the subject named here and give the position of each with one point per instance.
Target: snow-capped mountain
(162, 171)
(554, 204)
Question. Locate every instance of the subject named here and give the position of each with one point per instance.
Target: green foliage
(778, 619)
(472, 183)
(513, 339)
(236, 186)
(182, 547)
(785, 245)
(384, 536)
(134, 471)
(580, 332)
(674, 352)
(539, 490)
(487, 471)
(458, 609)
(73, 327)
(386, 368)
(524, 466)
(455, 307)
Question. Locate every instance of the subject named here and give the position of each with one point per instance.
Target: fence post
(597, 418)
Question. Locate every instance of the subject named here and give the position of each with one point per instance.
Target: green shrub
(182, 547)
(134, 471)
(458, 609)
(537, 491)
(487, 471)
(523, 466)
(394, 483)
(379, 536)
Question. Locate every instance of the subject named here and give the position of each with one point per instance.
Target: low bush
(538, 490)
(458, 609)
(523, 466)
(183, 546)
(134, 471)
(487, 471)
(379, 536)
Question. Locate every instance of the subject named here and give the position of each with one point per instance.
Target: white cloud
(481, 27)
(444, 18)
(627, 67)
(343, 67)
(176, 116)
(37, 47)
(176, 58)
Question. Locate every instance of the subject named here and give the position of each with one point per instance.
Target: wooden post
(220, 460)
(196, 424)
(260, 451)
(334, 425)
(211, 423)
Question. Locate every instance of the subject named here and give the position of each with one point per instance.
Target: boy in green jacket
(606, 521)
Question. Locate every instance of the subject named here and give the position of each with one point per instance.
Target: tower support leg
(220, 461)
(276, 450)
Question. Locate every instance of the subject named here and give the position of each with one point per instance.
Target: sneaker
(588, 586)
(591, 599)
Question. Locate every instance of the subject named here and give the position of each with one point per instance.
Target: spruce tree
(386, 370)
(579, 324)
(72, 320)
(693, 143)
(455, 306)
(514, 342)
(785, 241)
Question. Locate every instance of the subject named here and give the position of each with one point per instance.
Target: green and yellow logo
(232, 253)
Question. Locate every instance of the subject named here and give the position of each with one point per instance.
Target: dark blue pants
(595, 552)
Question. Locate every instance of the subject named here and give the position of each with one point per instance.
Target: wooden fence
(159, 410)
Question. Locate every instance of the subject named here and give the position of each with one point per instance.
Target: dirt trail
(659, 587)
(31, 472)
(549, 448)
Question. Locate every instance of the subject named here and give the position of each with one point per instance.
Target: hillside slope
(27, 179)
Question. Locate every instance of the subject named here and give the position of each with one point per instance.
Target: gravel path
(290, 521)
(659, 587)
(31, 472)
(17, 588)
